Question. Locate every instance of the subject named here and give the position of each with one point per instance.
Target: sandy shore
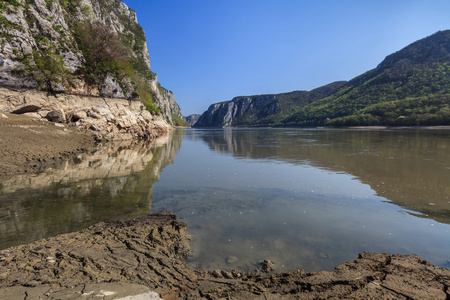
(26, 144)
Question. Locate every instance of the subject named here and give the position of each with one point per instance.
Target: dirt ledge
(121, 259)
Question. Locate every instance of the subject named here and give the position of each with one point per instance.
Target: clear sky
(208, 51)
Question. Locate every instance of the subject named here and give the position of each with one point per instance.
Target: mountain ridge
(418, 75)
(262, 110)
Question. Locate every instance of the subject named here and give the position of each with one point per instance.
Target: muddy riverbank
(145, 256)
(27, 144)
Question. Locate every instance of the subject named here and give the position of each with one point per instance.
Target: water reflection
(411, 168)
(113, 182)
(309, 199)
(306, 199)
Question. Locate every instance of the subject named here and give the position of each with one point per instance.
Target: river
(304, 198)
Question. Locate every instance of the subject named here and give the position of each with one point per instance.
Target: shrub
(49, 69)
(103, 51)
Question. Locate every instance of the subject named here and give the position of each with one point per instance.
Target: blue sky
(208, 51)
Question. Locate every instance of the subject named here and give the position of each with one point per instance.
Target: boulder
(33, 115)
(57, 116)
(92, 114)
(79, 115)
(267, 266)
(101, 110)
(111, 88)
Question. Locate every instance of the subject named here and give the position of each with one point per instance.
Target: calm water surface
(305, 199)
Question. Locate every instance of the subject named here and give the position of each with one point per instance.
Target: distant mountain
(409, 87)
(262, 110)
(401, 90)
(192, 119)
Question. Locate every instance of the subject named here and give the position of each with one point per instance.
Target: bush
(48, 69)
(103, 51)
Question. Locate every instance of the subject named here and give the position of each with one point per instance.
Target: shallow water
(305, 199)
(309, 199)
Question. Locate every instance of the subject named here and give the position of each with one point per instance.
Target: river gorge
(304, 198)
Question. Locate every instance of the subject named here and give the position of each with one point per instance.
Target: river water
(304, 198)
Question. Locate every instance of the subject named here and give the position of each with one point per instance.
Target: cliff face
(262, 110)
(192, 119)
(83, 47)
(238, 111)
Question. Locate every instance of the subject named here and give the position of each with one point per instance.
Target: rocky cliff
(93, 48)
(261, 110)
(192, 119)
(238, 111)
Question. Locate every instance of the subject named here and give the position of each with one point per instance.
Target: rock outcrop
(110, 119)
(93, 48)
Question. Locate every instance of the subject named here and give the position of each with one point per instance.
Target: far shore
(28, 144)
(437, 127)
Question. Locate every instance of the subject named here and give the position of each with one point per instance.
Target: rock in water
(232, 260)
(267, 266)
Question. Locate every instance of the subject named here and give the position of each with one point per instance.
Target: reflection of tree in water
(410, 168)
(114, 182)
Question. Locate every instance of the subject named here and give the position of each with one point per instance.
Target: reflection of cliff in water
(114, 182)
(409, 167)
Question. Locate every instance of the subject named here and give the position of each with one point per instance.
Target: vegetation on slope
(179, 121)
(430, 110)
(419, 70)
(120, 54)
(293, 102)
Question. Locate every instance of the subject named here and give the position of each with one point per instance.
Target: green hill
(418, 75)
(292, 102)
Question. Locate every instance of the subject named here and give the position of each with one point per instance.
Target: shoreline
(146, 256)
(29, 144)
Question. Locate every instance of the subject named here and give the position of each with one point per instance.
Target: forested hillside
(418, 75)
